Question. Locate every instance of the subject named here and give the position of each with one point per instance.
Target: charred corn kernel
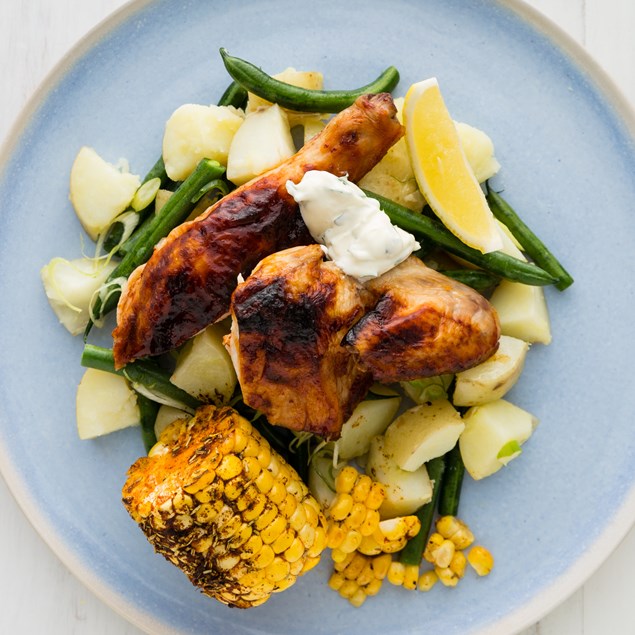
(427, 580)
(481, 560)
(336, 581)
(458, 563)
(370, 522)
(232, 514)
(341, 507)
(434, 542)
(376, 496)
(356, 516)
(411, 577)
(447, 576)
(398, 528)
(396, 573)
(444, 553)
(361, 490)
(345, 479)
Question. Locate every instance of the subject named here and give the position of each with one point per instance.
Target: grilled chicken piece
(217, 501)
(289, 319)
(423, 324)
(187, 283)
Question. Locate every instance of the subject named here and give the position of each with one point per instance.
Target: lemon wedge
(442, 170)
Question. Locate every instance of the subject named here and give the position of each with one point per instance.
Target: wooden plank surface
(38, 594)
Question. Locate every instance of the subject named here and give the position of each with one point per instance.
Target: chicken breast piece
(289, 319)
(187, 283)
(423, 324)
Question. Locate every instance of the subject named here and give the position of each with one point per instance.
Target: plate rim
(522, 617)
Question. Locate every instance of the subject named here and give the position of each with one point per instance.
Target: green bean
(175, 211)
(495, 262)
(479, 280)
(258, 82)
(413, 551)
(235, 95)
(148, 412)
(451, 483)
(532, 245)
(142, 373)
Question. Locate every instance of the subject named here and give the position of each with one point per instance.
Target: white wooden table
(37, 593)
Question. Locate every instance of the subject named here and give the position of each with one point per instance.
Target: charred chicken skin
(308, 340)
(423, 324)
(288, 321)
(188, 281)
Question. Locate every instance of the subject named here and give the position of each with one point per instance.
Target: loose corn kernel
(434, 542)
(336, 581)
(427, 580)
(345, 480)
(358, 598)
(372, 588)
(396, 573)
(481, 560)
(447, 576)
(458, 563)
(366, 575)
(348, 588)
(339, 556)
(380, 565)
(355, 567)
(411, 577)
(444, 553)
(342, 562)
(463, 538)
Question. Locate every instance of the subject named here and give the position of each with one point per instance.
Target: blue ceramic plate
(565, 141)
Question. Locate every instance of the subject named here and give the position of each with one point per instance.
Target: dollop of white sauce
(357, 234)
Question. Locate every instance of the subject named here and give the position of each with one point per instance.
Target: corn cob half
(216, 500)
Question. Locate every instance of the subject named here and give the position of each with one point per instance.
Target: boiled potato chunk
(204, 368)
(493, 378)
(70, 286)
(522, 311)
(262, 143)
(493, 435)
(370, 418)
(165, 416)
(196, 132)
(104, 403)
(479, 151)
(99, 191)
(405, 491)
(312, 126)
(423, 433)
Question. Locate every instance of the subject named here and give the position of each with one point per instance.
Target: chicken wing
(423, 324)
(187, 283)
(289, 319)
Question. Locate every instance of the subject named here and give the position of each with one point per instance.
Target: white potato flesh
(104, 403)
(370, 418)
(70, 286)
(312, 126)
(522, 311)
(493, 378)
(165, 416)
(263, 142)
(423, 433)
(405, 491)
(204, 368)
(99, 191)
(479, 151)
(493, 435)
(322, 477)
(195, 132)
